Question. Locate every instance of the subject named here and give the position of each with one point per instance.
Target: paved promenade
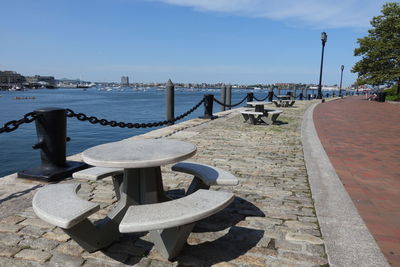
(272, 221)
(361, 139)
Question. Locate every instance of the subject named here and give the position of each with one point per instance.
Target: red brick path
(362, 140)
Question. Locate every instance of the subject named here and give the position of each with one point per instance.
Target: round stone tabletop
(139, 153)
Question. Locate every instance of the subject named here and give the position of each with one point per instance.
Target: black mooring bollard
(270, 95)
(249, 98)
(208, 107)
(223, 97)
(308, 97)
(51, 128)
(228, 99)
(169, 101)
(301, 96)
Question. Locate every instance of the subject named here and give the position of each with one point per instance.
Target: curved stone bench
(97, 173)
(59, 205)
(251, 115)
(204, 175)
(171, 222)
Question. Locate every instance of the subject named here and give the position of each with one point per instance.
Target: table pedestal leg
(169, 242)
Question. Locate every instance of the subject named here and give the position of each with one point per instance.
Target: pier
(278, 217)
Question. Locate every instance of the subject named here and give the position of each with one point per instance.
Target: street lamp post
(341, 77)
(324, 38)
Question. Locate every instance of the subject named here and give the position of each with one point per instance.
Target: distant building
(124, 80)
(47, 81)
(11, 77)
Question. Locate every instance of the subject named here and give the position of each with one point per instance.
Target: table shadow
(131, 249)
(236, 212)
(235, 243)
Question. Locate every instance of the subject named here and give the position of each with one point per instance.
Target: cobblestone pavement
(271, 222)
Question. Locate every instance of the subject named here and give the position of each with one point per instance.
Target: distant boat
(82, 85)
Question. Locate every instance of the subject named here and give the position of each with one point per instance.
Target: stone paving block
(28, 213)
(11, 262)
(304, 238)
(57, 236)
(303, 258)
(64, 260)
(13, 219)
(9, 239)
(70, 248)
(33, 255)
(8, 251)
(10, 228)
(36, 222)
(38, 243)
(110, 258)
(32, 230)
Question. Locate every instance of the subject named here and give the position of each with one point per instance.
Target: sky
(230, 41)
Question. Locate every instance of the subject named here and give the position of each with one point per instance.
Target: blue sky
(231, 41)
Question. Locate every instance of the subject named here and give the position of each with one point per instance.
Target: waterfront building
(125, 81)
(11, 77)
(47, 81)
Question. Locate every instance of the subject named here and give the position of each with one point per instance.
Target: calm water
(130, 105)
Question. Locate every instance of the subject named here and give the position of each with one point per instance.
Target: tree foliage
(380, 49)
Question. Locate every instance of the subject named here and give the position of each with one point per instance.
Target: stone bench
(97, 173)
(59, 205)
(269, 116)
(274, 114)
(171, 222)
(204, 175)
(251, 115)
(283, 103)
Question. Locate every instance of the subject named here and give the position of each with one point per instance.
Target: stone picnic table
(142, 204)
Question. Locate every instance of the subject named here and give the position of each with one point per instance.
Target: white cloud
(314, 13)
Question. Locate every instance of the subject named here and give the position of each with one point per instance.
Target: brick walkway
(272, 221)
(362, 140)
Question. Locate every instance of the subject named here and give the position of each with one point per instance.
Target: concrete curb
(347, 239)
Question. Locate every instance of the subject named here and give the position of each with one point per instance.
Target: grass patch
(391, 94)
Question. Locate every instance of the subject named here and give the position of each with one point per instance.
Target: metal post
(223, 97)
(341, 77)
(51, 128)
(169, 101)
(208, 107)
(270, 95)
(250, 97)
(324, 37)
(228, 99)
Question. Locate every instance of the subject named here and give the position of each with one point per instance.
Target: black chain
(112, 123)
(14, 124)
(230, 106)
(261, 99)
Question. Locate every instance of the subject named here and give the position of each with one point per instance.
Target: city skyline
(244, 42)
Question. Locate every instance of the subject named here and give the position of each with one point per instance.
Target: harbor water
(121, 105)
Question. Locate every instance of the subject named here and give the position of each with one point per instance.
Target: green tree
(380, 49)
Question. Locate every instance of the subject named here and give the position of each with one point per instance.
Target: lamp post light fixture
(341, 77)
(324, 38)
